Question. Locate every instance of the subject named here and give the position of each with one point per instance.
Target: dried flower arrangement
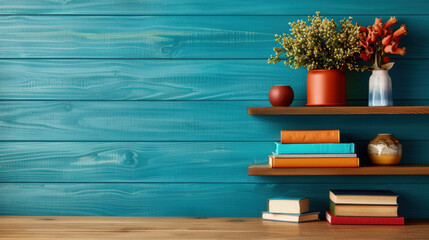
(319, 45)
(379, 40)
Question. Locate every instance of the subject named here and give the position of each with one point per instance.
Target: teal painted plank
(243, 200)
(211, 7)
(50, 120)
(180, 80)
(164, 36)
(191, 162)
(182, 121)
(146, 79)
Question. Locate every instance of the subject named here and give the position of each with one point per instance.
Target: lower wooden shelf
(266, 170)
(171, 228)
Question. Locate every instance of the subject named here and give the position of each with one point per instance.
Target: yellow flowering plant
(321, 44)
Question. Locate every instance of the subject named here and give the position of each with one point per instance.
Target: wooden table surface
(42, 227)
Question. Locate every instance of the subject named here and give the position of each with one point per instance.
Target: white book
(311, 155)
(289, 217)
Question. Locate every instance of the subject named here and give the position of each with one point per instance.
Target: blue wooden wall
(138, 108)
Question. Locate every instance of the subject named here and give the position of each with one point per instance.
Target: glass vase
(380, 89)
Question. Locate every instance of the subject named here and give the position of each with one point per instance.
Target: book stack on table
(289, 209)
(313, 148)
(363, 207)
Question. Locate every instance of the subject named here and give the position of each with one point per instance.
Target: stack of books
(287, 209)
(363, 207)
(313, 148)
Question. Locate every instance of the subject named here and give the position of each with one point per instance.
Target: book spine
(332, 207)
(310, 136)
(314, 162)
(344, 155)
(332, 219)
(363, 210)
(314, 148)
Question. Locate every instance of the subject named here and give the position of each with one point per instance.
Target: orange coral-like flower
(393, 49)
(372, 37)
(378, 30)
(390, 22)
(377, 21)
(387, 40)
(400, 32)
(365, 56)
(390, 48)
(400, 51)
(363, 29)
(363, 43)
(369, 50)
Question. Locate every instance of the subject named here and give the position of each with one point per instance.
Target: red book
(332, 219)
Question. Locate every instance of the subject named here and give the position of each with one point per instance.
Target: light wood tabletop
(43, 227)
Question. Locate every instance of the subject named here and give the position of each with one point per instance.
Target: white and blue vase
(380, 89)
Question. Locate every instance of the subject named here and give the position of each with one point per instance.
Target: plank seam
(237, 183)
(163, 141)
(178, 59)
(180, 100)
(198, 15)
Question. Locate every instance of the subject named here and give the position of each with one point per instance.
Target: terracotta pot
(281, 95)
(326, 88)
(385, 149)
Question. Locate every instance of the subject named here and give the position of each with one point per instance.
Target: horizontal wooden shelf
(337, 110)
(266, 170)
(56, 227)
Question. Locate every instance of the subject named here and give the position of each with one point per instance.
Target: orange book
(310, 136)
(313, 162)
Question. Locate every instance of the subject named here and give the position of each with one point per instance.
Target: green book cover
(332, 207)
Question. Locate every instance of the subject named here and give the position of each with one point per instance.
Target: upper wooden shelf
(266, 170)
(337, 110)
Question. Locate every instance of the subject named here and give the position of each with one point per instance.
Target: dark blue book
(369, 197)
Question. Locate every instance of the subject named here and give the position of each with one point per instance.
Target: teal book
(315, 148)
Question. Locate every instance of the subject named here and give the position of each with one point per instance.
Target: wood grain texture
(266, 170)
(180, 121)
(154, 199)
(23, 227)
(124, 79)
(347, 110)
(182, 146)
(191, 162)
(103, 79)
(163, 36)
(211, 7)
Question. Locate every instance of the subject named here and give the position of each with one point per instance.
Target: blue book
(321, 148)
